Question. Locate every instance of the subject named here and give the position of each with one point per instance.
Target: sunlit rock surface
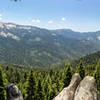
(68, 93)
(79, 90)
(87, 89)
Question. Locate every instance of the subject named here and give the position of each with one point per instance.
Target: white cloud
(36, 21)
(63, 19)
(33, 21)
(50, 21)
(0, 17)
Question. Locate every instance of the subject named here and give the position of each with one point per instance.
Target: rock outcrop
(79, 90)
(86, 90)
(68, 93)
(13, 93)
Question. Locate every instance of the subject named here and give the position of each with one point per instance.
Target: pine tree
(53, 92)
(47, 87)
(81, 70)
(97, 75)
(68, 74)
(46, 91)
(2, 92)
(31, 86)
(39, 91)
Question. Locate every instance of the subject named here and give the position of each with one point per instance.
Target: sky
(78, 15)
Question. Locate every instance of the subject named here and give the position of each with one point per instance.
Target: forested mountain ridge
(28, 45)
(90, 59)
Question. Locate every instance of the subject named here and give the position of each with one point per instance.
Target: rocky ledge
(78, 89)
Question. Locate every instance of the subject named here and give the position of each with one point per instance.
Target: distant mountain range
(28, 45)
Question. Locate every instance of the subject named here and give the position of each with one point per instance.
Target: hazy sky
(79, 15)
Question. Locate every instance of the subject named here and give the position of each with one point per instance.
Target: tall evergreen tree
(68, 74)
(47, 87)
(53, 92)
(31, 86)
(81, 70)
(39, 91)
(97, 75)
(2, 92)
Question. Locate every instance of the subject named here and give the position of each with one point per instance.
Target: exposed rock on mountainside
(84, 90)
(28, 45)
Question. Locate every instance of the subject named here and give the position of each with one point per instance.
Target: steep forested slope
(90, 59)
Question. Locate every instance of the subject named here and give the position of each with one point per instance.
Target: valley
(38, 47)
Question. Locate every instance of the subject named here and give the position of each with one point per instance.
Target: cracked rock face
(79, 90)
(86, 90)
(68, 93)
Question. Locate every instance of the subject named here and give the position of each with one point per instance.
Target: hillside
(90, 59)
(29, 45)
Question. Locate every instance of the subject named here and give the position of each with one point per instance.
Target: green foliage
(46, 84)
(41, 47)
(81, 70)
(31, 86)
(97, 75)
(40, 94)
(2, 91)
(68, 75)
(90, 59)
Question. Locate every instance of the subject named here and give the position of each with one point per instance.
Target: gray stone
(84, 90)
(13, 92)
(87, 89)
(68, 93)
